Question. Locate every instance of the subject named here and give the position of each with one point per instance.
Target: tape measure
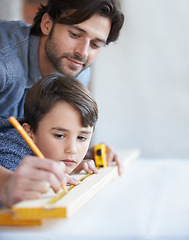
(100, 155)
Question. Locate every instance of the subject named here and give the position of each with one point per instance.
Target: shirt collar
(33, 61)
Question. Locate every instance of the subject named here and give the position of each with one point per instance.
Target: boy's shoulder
(9, 136)
(12, 146)
(6, 126)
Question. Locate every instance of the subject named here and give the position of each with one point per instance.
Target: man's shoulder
(11, 32)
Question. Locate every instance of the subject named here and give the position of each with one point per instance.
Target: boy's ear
(27, 128)
(46, 24)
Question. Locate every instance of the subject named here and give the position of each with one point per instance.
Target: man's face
(72, 48)
(61, 137)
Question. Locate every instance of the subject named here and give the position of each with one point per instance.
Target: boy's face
(72, 48)
(61, 137)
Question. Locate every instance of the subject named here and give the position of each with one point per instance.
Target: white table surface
(150, 201)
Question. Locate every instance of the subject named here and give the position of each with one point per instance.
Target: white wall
(142, 83)
(11, 9)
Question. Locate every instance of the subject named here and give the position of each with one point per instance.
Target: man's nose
(82, 49)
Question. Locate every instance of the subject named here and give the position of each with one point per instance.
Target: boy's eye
(81, 138)
(59, 135)
(74, 35)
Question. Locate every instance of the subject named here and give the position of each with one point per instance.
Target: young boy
(59, 115)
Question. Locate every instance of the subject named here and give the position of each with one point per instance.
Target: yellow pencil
(29, 141)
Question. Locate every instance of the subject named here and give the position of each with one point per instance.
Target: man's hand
(32, 177)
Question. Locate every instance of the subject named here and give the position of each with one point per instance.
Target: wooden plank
(69, 203)
(31, 212)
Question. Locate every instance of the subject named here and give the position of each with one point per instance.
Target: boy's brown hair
(54, 88)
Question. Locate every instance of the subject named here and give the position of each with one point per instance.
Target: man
(66, 37)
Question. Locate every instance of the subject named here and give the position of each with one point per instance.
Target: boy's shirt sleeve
(12, 147)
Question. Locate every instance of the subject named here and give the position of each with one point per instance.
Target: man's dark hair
(54, 88)
(77, 11)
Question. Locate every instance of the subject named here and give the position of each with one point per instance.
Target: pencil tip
(64, 188)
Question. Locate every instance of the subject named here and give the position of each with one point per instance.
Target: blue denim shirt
(12, 146)
(19, 66)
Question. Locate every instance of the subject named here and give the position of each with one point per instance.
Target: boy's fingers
(89, 167)
(72, 181)
(92, 166)
(85, 167)
(36, 169)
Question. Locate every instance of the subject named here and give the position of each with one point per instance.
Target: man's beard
(57, 61)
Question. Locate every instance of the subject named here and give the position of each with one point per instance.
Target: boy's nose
(71, 148)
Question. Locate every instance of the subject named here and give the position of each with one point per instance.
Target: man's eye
(59, 135)
(96, 46)
(81, 138)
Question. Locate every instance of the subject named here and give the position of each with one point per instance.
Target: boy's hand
(87, 165)
(33, 177)
(111, 157)
(71, 180)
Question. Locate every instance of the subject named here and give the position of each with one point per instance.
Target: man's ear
(27, 128)
(46, 24)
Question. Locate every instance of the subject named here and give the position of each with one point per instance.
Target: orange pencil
(29, 141)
